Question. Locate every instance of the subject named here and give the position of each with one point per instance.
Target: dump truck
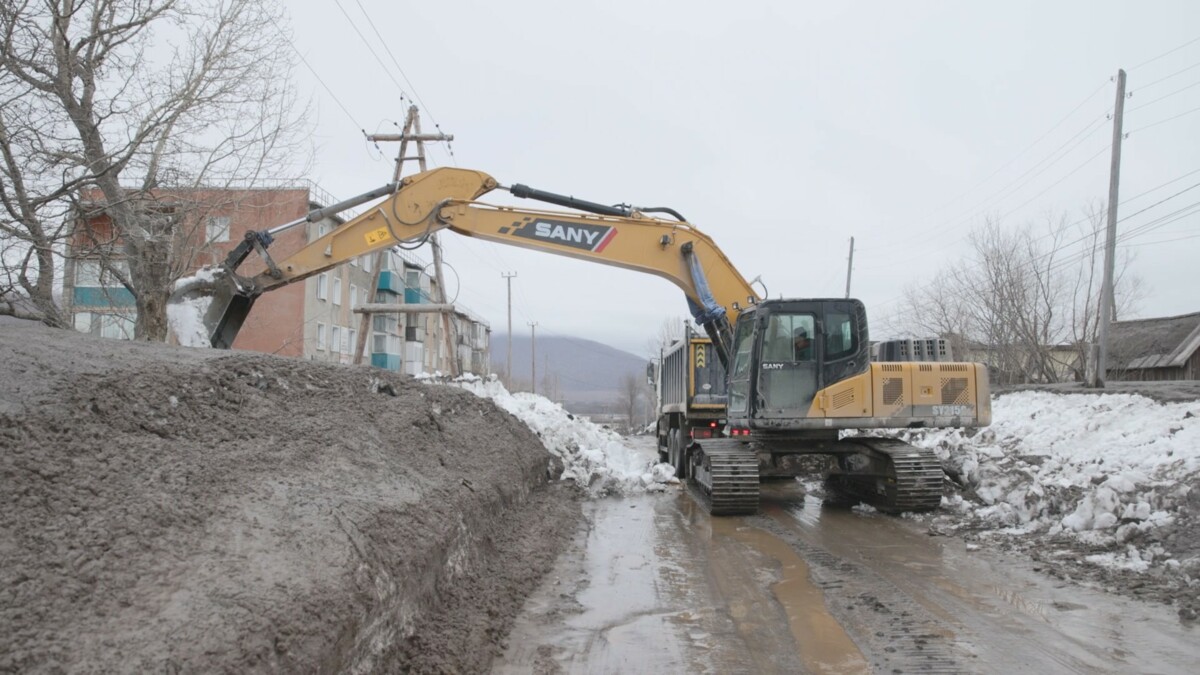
(689, 392)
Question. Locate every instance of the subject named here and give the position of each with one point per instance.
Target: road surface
(653, 584)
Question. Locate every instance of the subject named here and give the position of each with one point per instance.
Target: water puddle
(824, 645)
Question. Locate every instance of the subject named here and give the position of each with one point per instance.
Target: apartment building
(312, 319)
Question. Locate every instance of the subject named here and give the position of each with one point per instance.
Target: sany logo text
(576, 235)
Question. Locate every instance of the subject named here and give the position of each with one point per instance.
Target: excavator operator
(803, 344)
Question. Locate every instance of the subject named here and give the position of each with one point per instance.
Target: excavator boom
(445, 198)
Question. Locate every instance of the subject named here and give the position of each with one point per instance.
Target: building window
(106, 324)
(351, 340)
(216, 228)
(92, 274)
(321, 336)
(322, 286)
(335, 339)
(87, 273)
(337, 291)
(353, 297)
(362, 296)
(386, 344)
(366, 262)
(323, 228)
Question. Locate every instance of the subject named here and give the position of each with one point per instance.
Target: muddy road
(652, 584)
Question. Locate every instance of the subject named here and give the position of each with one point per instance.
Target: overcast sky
(781, 129)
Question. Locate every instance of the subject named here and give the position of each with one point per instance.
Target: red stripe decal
(607, 238)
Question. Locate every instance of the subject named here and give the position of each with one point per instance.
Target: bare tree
(115, 108)
(670, 330)
(1020, 299)
(630, 389)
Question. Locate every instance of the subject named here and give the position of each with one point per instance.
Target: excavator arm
(445, 198)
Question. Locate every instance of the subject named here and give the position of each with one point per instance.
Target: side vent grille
(892, 368)
(925, 368)
(843, 398)
(957, 368)
(954, 391)
(893, 391)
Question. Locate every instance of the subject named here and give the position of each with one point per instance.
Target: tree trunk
(150, 273)
(41, 293)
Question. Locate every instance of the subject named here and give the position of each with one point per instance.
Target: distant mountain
(582, 374)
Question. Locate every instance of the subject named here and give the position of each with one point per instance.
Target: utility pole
(509, 277)
(850, 267)
(410, 132)
(1107, 296)
(533, 355)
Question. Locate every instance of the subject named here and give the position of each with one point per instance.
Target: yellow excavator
(799, 374)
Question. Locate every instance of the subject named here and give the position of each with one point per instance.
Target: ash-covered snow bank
(197, 511)
(1116, 473)
(592, 456)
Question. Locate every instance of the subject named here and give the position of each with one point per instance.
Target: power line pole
(509, 277)
(411, 131)
(849, 267)
(1107, 295)
(533, 355)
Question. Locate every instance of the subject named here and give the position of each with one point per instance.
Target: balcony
(102, 296)
(391, 282)
(387, 361)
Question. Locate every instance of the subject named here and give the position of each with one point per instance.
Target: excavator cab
(787, 351)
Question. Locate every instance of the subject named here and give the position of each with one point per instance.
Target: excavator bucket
(209, 307)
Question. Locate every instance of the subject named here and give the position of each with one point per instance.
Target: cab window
(840, 339)
(789, 338)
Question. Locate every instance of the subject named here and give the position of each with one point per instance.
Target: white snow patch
(595, 458)
(185, 315)
(1099, 467)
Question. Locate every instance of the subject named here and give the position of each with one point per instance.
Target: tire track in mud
(896, 633)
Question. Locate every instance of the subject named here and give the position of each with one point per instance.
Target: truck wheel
(677, 454)
(671, 447)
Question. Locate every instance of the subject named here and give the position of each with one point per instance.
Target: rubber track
(913, 483)
(734, 473)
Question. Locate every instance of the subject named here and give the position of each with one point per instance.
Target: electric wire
(1166, 53)
(1089, 97)
(1163, 241)
(417, 94)
(1017, 185)
(1165, 78)
(1169, 119)
(976, 213)
(312, 70)
(1087, 130)
(1132, 233)
(1164, 96)
(367, 44)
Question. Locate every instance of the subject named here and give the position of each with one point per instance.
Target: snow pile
(595, 458)
(1101, 468)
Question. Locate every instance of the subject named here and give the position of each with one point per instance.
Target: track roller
(724, 477)
(887, 474)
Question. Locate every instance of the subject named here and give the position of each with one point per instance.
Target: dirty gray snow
(178, 510)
